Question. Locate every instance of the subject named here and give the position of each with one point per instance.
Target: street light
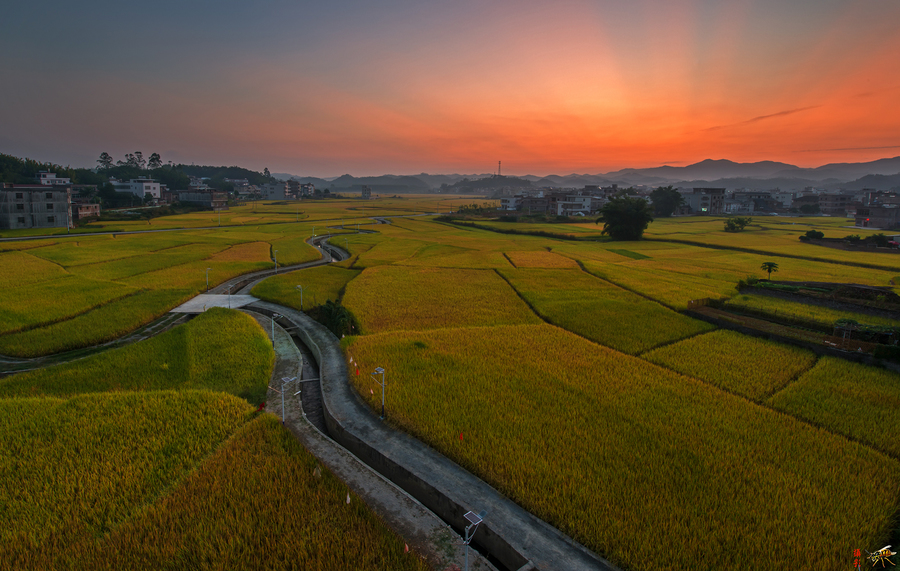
(300, 287)
(380, 371)
(474, 519)
(229, 296)
(207, 279)
(284, 381)
(276, 262)
(274, 317)
(314, 231)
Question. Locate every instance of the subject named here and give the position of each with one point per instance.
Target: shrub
(814, 235)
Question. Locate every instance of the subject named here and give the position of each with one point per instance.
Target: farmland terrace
(564, 374)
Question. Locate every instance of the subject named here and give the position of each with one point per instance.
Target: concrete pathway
(516, 538)
(425, 533)
(205, 301)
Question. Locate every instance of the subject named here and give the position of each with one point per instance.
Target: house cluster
(869, 208)
(280, 190)
(561, 203)
(46, 203)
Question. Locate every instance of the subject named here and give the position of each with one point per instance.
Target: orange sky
(408, 87)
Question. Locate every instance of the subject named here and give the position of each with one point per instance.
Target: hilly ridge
(881, 174)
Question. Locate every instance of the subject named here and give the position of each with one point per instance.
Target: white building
(139, 187)
(574, 204)
(50, 179)
(510, 203)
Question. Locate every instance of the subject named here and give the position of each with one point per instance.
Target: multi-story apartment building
(705, 200)
(35, 206)
(274, 190)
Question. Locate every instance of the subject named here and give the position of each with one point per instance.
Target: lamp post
(229, 296)
(314, 231)
(300, 287)
(380, 371)
(207, 279)
(274, 317)
(276, 261)
(284, 381)
(474, 519)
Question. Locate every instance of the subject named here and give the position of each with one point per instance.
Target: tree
(105, 161)
(666, 200)
(130, 161)
(737, 224)
(266, 173)
(337, 318)
(155, 161)
(625, 218)
(139, 160)
(769, 267)
(809, 208)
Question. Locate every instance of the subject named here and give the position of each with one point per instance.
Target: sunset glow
(407, 87)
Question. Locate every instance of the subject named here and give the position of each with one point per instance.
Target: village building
(35, 206)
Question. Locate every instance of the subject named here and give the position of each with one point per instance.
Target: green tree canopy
(769, 267)
(105, 161)
(666, 200)
(625, 217)
(736, 224)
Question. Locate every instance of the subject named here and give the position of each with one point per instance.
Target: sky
(440, 86)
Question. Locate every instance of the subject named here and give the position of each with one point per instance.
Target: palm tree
(769, 267)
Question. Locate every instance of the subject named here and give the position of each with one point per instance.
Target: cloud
(849, 149)
(763, 117)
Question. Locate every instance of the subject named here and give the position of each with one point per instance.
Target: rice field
(627, 457)
(600, 311)
(256, 502)
(104, 323)
(87, 464)
(320, 284)
(122, 268)
(855, 400)
(748, 366)
(624, 455)
(294, 250)
(793, 310)
(389, 251)
(773, 235)
(52, 301)
(387, 298)
(675, 275)
(539, 259)
(20, 269)
(81, 292)
(221, 350)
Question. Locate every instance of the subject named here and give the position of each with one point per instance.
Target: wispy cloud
(763, 117)
(849, 149)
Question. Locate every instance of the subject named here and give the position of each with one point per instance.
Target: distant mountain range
(883, 174)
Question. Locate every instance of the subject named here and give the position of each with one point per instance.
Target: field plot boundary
(715, 317)
(780, 255)
(512, 534)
